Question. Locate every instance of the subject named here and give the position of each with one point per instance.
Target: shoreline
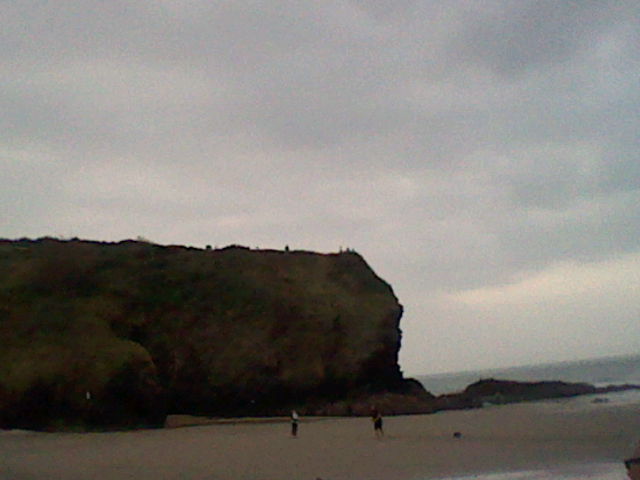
(506, 438)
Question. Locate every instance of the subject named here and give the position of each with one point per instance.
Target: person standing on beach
(376, 417)
(294, 423)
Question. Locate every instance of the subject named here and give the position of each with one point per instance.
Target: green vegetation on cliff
(149, 329)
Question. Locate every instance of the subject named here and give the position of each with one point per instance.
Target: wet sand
(515, 437)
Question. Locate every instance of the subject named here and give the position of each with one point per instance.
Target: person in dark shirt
(376, 417)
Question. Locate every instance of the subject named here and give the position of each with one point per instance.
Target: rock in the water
(507, 391)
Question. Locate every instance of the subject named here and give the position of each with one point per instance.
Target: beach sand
(506, 438)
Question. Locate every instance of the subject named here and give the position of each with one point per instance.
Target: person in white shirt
(294, 423)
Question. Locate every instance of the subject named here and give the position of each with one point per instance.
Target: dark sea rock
(617, 388)
(455, 401)
(492, 391)
(506, 391)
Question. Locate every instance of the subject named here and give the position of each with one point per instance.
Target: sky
(483, 156)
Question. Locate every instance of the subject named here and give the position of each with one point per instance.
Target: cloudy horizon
(481, 156)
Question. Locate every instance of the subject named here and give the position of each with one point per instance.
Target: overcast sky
(483, 156)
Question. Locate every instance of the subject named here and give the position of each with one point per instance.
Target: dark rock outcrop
(508, 391)
(505, 391)
(409, 398)
(455, 401)
(149, 330)
(617, 388)
(492, 391)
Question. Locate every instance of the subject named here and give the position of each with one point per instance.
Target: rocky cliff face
(121, 334)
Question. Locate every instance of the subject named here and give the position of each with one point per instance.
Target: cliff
(120, 334)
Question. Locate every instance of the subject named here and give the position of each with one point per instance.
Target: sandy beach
(494, 439)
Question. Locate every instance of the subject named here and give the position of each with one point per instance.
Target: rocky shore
(484, 392)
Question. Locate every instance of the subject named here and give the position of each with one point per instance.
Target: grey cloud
(515, 37)
(455, 144)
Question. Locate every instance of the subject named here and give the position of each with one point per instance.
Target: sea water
(599, 372)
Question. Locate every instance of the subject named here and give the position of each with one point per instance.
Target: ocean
(599, 372)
